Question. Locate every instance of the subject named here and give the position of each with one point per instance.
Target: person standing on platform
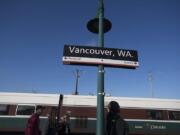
(64, 125)
(51, 129)
(32, 127)
(115, 124)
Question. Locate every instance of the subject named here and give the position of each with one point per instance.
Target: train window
(155, 115)
(174, 115)
(3, 109)
(25, 110)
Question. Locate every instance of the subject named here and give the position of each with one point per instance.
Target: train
(145, 116)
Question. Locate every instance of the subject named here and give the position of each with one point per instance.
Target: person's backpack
(115, 127)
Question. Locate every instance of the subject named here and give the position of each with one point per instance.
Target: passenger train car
(145, 116)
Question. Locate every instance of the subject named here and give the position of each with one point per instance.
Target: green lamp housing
(93, 25)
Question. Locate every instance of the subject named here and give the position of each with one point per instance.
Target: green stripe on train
(16, 123)
(139, 126)
(156, 127)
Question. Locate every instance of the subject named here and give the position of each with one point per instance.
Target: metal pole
(100, 87)
(77, 77)
(59, 111)
(150, 77)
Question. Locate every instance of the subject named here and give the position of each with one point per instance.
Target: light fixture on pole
(93, 25)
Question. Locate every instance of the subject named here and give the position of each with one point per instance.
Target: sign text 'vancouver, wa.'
(86, 55)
